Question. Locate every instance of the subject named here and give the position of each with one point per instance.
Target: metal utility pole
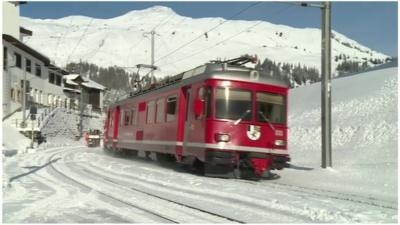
(80, 102)
(153, 33)
(23, 123)
(326, 80)
(326, 96)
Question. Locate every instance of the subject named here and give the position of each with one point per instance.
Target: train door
(187, 119)
(116, 122)
(184, 99)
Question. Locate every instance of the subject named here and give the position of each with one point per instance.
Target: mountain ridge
(125, 41)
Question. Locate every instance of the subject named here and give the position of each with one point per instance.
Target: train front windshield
(236, 104)
(233, 104)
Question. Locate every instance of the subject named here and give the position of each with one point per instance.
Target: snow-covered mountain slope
(125, 41)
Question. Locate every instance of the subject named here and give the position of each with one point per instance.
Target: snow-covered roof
(71, 82)
(91, 84)
(70, 76)
(69, 79)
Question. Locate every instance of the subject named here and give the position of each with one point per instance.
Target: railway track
(117, 180)
(88, 188)
(330, 194)
(225, 203)
(234, 201)
(110, 196)
(341, 196)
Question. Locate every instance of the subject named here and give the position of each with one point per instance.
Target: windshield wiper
(244, 115)
(267, 120)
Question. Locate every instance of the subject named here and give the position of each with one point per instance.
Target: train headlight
(280, 143)
(222, 137)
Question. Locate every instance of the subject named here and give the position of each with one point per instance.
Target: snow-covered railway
(129, 196)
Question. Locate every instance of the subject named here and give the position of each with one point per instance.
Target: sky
(373, 24)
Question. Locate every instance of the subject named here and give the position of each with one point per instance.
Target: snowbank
(364, 135)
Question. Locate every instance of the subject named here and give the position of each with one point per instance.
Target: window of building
(171, 108)
(58, 80)
(51, 77)
(133, 116)
(28, 65)
(18, 62)
(160, 110)
(150, 112)
(5, 58)
(38, 70)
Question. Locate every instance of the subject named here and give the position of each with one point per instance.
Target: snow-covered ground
(78, 184)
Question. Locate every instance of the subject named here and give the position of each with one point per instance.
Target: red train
(222, 118)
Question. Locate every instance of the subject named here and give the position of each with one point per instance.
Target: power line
(163, 22)
(213, 28)
(229, 38)
(79, 41)
(63, 36)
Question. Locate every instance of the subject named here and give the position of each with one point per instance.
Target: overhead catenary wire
(213, 28)
(79, 41)
(160, 24)
(227, 39)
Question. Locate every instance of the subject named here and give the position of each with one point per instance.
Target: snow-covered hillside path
(79, 184)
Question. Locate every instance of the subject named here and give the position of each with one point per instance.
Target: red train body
(223, 118)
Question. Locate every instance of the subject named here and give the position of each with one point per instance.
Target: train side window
(126, 117)
(150, 112)
(133, 116)
(160, 110)
(171, 108)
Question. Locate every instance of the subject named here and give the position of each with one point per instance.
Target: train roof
(222, 71)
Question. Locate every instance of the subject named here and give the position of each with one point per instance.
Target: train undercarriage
(222, 164)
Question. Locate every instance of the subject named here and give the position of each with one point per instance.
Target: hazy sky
(373, 24)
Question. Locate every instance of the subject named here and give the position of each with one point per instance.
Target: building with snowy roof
(45, 83)
(92, 93)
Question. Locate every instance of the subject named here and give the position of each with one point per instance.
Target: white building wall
(12, 80)
(11, 19)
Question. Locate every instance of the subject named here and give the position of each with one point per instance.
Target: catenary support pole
(326, 95)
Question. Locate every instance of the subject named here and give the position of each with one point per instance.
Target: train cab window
(160, 110)
(126, 117)
(133, 116)
(171, 108)
(233, 104)
(150, 112)
(270, 107)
